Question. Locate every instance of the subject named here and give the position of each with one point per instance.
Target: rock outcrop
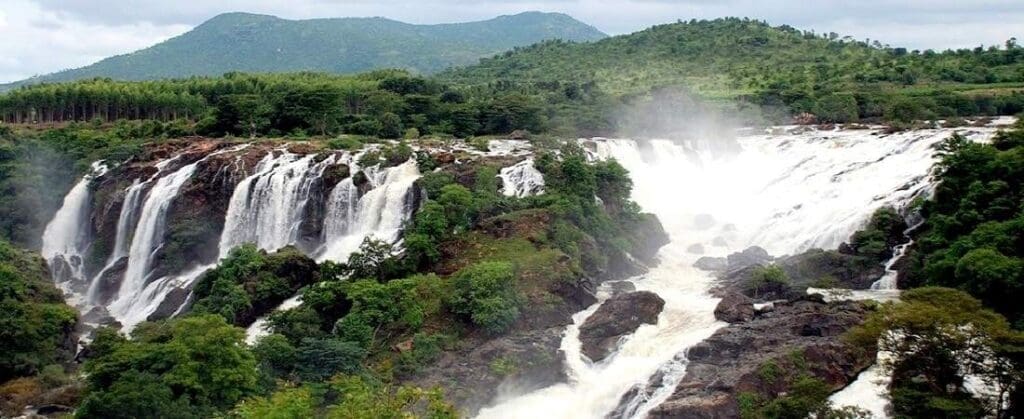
(618, 316)
(801, 336)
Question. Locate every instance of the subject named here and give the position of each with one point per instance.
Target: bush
(319, 359)
(486, 294)
(768, 280)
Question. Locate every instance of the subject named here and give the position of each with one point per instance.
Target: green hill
(259, 43)
(733, 58)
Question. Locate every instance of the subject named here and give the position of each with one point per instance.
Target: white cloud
(42, 36)
(38, 41)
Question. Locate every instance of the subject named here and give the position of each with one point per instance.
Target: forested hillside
(260, 43)
(785, 69)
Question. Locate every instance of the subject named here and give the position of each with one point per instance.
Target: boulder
(735, 308)
(712, 264)
(750, 256)
(618, 316)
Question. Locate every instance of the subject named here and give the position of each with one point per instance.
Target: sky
(44, 36)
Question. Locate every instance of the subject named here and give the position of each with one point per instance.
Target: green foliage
(486, 294)
(952, 332)
(361, 398)
(249, 282)
(318, 359)
(971, 238)
(883, 232)
(768, 280)
(739, 63)
(286, 403)
(185, 367)
(36, 327)
(378, 309)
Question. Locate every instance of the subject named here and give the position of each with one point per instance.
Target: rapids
(786, 193)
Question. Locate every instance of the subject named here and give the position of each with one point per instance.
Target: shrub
(486, 293)
(768, 280)
(319, 359)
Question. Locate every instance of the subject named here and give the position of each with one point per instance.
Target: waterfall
(379, 213)
(66, 237)
(267, 207)
(786, 193)
(147, 239)
(521, 180)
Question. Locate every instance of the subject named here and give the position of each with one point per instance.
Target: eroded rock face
(730, 361)
(618, 316)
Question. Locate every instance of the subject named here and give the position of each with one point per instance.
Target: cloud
(39, 41)
(42, 36)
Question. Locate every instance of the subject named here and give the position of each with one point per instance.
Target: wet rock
(696, 249)
(621, 287)
(713, 264)
(618, 316)
(735, 308)
(729, 362)
(649, 237)
(750, 256)
(109, 282)
(170, 304)
(95, 314)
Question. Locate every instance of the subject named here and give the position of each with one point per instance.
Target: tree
(201, 362)
(486, 293)
(390, 126)
(837, 108)
(935, 335)
(244, 113)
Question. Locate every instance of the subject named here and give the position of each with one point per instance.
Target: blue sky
(43, 36)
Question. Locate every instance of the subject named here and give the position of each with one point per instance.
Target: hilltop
(260, 43)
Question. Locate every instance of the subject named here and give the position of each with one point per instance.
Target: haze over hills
(260, 43)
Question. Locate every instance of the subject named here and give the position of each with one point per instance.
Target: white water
(66, 237)
(379, 213)
(137, 295)
(267, 207)
(521, 180)
(785, 193)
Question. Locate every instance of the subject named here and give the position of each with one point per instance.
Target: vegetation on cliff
(37, 339)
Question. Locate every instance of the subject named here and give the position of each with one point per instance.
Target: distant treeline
(386, 104)
(748, 70)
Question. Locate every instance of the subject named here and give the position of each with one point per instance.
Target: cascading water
(127, 220)
(267, 207)
(786, 193)
(66, 237)
(138, 296)
(379, 213)
(521, 180)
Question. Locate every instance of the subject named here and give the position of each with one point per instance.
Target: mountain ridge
(240, 41)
